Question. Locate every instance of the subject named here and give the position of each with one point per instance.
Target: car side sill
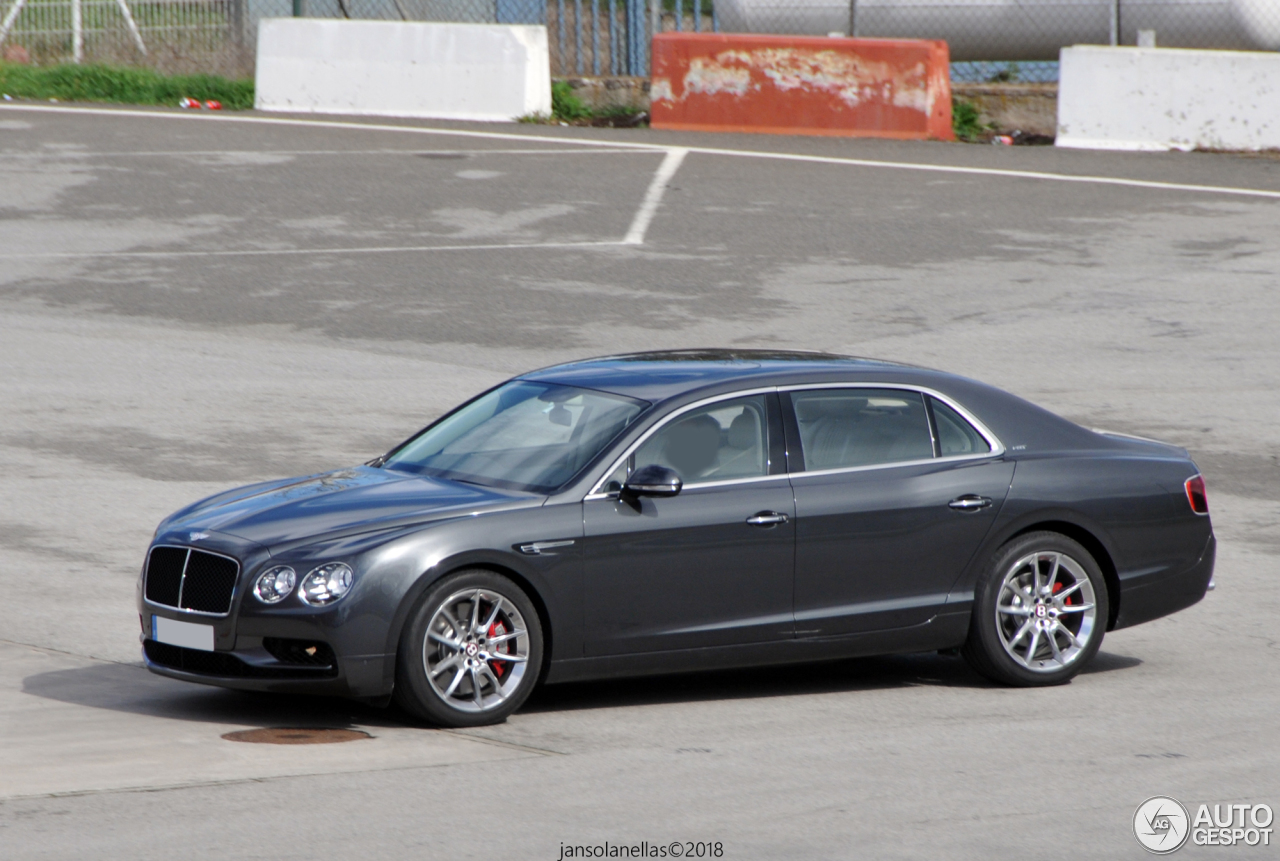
(943, 631)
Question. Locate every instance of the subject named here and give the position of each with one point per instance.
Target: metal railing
(989, 39)
(172, 35)
(587, 37)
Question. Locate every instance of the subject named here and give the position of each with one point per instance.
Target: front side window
(842, 428)
(523, 435)
(718, 442)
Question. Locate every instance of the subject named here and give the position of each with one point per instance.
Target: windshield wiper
(465, 481)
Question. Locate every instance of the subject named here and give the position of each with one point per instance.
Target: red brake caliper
(497, 629)
(1057, 587)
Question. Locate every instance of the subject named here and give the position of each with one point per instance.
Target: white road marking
(993, 171)
(269, 252)
(442, 154)
(653, 197)
(325, 124)
(853, 162)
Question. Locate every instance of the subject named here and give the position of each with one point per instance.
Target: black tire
(506, 669)
(1041, 654)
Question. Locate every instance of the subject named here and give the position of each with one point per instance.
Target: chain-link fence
(1015, 40)
(172, 35)
(587, 37)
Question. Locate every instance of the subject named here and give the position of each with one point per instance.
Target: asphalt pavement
(189, 302)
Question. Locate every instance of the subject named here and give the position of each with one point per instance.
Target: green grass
(71, 83)
(565, 105)
(568, 108)
(965, 120)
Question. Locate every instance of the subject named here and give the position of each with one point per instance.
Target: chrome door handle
(767, 518)
(970, 502)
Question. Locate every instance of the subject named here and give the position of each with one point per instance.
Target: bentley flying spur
(681, 511)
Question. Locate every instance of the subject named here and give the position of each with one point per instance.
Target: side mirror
(653, 480)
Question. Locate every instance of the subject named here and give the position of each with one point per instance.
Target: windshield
(523, 436)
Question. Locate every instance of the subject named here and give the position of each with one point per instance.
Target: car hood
(347, 501)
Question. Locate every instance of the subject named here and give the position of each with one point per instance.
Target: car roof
(681, 376)
(659, 376)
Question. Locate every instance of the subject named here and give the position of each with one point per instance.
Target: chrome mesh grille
(191, 579)
(164, 575)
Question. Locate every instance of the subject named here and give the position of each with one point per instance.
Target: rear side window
(861, 427)
(955, 435)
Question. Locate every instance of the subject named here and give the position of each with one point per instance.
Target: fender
(504, 563)
(1011, 524)
(552, 580)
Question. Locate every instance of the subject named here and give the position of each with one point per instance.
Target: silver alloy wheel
(476, 650)
(1046, 611)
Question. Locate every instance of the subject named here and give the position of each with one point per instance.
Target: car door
(710, 566)
(894, 490)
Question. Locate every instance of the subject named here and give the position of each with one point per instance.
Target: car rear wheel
(1040, 609)
(471, 653)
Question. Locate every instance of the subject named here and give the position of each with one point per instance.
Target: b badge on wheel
(1161, 825)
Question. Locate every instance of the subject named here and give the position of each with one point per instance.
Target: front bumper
(265, 648)
(253, 667)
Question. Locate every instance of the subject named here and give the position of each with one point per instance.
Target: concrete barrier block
(801, 85)
(403, 69)
(1168, 98)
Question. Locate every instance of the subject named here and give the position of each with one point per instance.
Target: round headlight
(326, 584)
(275, 584)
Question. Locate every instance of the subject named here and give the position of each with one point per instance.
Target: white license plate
(185, 634)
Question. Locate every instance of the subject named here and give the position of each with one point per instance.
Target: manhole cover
(296, 735)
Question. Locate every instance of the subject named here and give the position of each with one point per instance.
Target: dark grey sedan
(667, 512)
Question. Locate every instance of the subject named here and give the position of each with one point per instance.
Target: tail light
(1196, 495)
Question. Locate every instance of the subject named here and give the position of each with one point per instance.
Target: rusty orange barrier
(739, 82)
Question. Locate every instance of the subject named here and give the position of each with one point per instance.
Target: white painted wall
(1167, 98)
(402, 69)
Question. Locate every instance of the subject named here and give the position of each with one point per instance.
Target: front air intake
(190, 579)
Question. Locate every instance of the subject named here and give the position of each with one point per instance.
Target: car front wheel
(1040, 609)
(471, 653)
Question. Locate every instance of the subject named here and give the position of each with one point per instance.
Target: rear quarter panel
(1133, 508)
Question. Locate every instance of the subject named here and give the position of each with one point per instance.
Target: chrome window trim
(731, 481)
(597, 493)
(997, 447)
(893, 464)
(234, 588)
(594, 495)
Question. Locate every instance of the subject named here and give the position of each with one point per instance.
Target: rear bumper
(1155, 598)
